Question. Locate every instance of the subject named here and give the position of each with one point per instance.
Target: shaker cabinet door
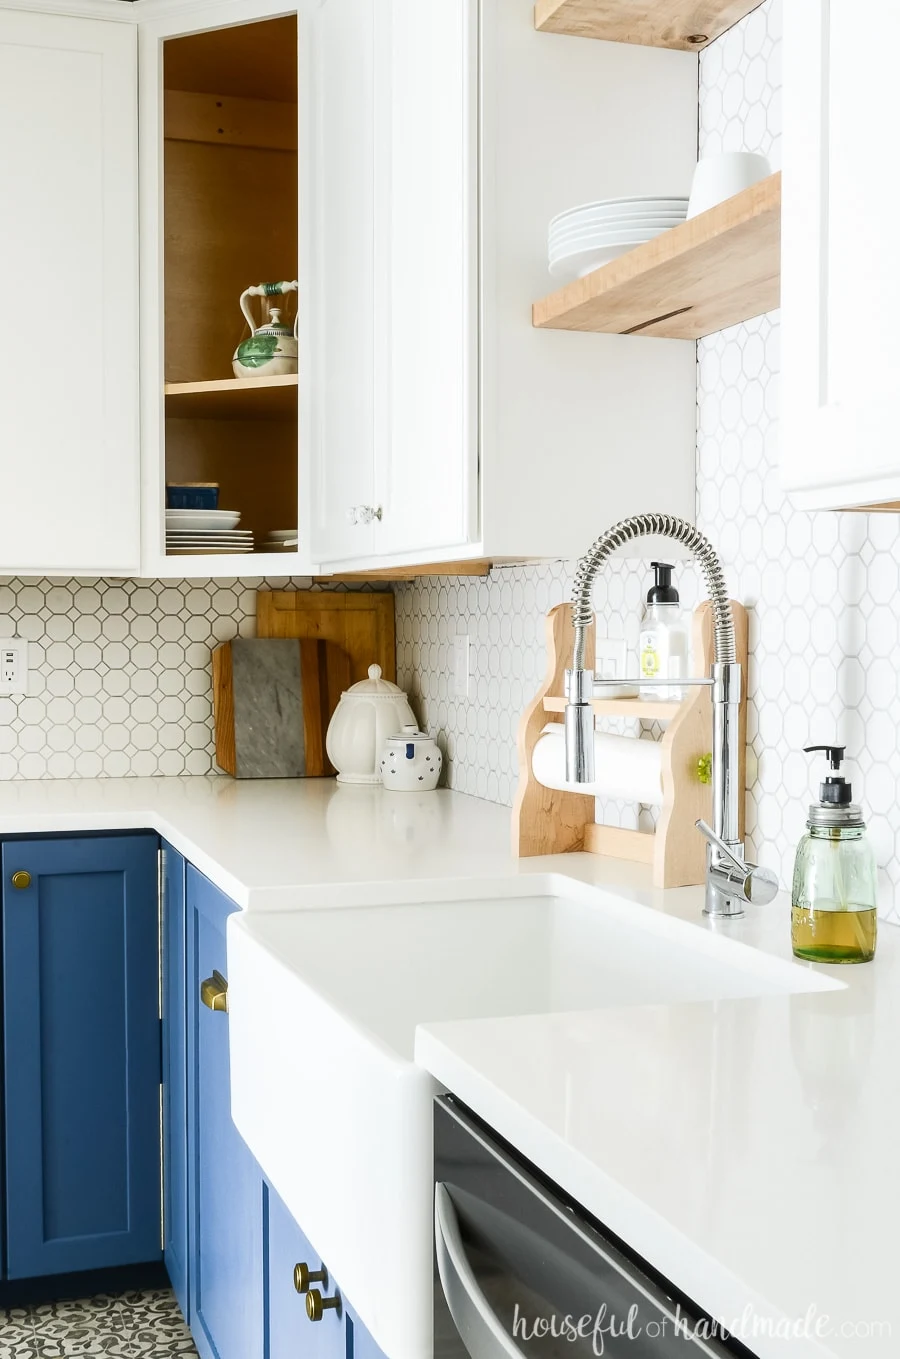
(348, 353)
(226, 1274)
(81, 1053)
(69, 450)
(289, 1332)
(840, 282)
(427, 473)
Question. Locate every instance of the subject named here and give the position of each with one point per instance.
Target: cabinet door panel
(69, 454)
(344, 251)
(840, 285)
(174, 1078)
(226, 1303)
(288, 1330)
(81, 1049)
(427, 477)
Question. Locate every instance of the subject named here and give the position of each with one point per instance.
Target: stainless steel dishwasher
(520, 1273)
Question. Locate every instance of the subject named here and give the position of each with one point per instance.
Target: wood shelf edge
(682, 25)
(638, 709)
(233, 384)
(616, 286)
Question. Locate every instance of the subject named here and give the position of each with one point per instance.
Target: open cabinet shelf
(230, 214)
(262, 398)
(719, 268)
(687, 25)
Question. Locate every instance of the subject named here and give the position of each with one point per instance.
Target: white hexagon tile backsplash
(119, 680)
(822, 589)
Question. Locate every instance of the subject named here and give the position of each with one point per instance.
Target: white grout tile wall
(120, 680)
(822, 589)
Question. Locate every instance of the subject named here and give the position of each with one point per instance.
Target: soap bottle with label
(833, 898)
(664, 637)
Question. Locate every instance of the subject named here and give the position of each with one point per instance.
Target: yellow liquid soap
(837, 936)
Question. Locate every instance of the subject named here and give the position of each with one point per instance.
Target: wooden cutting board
(273, 699)
(361, 623)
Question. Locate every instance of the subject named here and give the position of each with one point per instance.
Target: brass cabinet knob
(316, 1305)
(214, 992)
(304, 1276)
(21, 879)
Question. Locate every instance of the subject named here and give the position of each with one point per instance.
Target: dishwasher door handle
(480, 1329)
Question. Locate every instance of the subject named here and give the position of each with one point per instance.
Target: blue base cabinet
(81, 1048)
(175, 1076)
(244, 1244)
(288, 1331)
(96, 1021)
(226, 1304)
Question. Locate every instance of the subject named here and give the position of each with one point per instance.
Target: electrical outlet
(461, 648)
(13, 665)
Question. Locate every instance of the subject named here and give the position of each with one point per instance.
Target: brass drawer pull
(21, 879)
(316, 1305)
(214, 992)
(304, 1276)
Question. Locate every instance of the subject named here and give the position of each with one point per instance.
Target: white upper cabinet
(427, 472)
(69, 440)
(840, 277)
(343, 278)
(489, 438)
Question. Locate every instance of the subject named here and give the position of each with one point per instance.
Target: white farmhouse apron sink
(324, 1004)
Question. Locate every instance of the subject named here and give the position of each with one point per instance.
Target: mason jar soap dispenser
(664, 637)
(833, 899)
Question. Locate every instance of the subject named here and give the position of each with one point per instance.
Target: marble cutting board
(273, 699)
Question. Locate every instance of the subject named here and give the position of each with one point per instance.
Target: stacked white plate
(584, 238)
(280, 540)
(189, 532)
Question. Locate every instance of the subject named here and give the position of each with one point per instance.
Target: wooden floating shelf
(638, 709)
(687, 25)
(713, 271)
(262, 398)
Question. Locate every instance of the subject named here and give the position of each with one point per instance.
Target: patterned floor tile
(16, 1342)
(128, 1326)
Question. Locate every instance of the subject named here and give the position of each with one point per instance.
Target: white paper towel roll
(624, 767)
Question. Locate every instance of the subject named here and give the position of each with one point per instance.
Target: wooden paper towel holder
(547, 821)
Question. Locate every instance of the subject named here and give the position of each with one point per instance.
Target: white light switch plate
(461, 665)
(13, 665)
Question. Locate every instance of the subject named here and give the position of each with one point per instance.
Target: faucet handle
(756, 885)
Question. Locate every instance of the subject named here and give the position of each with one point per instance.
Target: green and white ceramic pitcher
(270, 349)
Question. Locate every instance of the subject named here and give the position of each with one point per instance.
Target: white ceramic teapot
(271, 349)
(411, 762)
(368, 713)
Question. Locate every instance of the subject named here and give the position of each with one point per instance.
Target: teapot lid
(374, 685)
(407, 735)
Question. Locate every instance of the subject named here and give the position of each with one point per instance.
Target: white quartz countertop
(747, 1149)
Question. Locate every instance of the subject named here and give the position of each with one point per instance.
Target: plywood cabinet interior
(230, 167)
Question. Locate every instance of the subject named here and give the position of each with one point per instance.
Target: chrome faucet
(731, 882)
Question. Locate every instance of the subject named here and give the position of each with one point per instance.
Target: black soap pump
(664, 637)
(834, 893)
